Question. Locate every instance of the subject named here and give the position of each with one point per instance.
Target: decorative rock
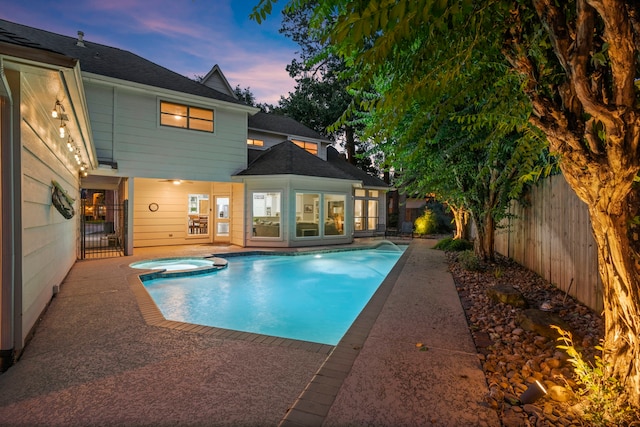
(532, 409)
(507, 294)
(559, 393)
(540, 322)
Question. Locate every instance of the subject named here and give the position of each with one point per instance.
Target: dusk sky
(188, 36)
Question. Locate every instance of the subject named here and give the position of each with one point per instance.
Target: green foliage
(470, 261)
(454, 245)
(427, 223)
(605, 402)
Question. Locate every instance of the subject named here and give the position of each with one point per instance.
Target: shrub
(454, 245)
(426, 224)
(470, 261)
(443, 216)
(605, 402)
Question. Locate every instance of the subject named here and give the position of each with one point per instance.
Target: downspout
(7, 259)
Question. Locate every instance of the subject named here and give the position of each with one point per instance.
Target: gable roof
(282, 125)
(108, 61)
(286, 158)
(335, 159)
(215, 78)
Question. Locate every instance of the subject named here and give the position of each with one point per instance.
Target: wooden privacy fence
(551, 235)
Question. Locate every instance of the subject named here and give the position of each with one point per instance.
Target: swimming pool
(312, 297)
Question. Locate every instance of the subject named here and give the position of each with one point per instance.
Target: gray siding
(132, 136)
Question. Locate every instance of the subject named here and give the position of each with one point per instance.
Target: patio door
(222, 219)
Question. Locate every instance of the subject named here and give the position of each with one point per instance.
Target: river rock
(540, 322)
(507, 294)
(559, 393)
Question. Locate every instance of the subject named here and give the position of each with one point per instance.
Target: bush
(605, 402)
(470, 261)
(444, 218)
(426, 224)
(454, 245)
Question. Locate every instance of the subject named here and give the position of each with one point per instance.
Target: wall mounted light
(62, 128)
(57, 110)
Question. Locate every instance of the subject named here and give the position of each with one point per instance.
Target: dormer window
(311, 147)
(186, 116)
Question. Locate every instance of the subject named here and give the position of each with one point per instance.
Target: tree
(245, 95)
(579, 63)
(320, 96)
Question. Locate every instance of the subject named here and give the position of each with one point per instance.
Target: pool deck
(102, 355)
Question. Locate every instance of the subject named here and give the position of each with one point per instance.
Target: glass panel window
(366, 210)
(307, 214)
(222, 216)
(334, 214)
(372, 214)
(266, 208)
(359, 216)
(255, 142)
(186, 117)
(198, 214)
(311, 147)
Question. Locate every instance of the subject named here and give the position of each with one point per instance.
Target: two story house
(189, 162)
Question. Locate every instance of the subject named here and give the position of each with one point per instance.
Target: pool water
(173, 264)
(310, 297)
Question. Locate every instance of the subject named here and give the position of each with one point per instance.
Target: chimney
(80, 39)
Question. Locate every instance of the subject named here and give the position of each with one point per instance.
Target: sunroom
(294, 198)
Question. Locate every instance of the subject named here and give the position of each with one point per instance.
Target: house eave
(139, 87)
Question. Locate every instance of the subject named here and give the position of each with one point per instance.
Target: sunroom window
(266, 213)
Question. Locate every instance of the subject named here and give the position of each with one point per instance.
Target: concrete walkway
(99, 358)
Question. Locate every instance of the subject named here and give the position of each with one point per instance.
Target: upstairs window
(311, 147)
(255, 142)
(186, 117)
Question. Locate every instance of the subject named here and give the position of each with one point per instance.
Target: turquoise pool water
(173, 264)
(311, 297)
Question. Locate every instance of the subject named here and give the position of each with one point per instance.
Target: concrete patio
(102, 356)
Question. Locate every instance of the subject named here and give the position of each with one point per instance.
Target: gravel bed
(514, 357)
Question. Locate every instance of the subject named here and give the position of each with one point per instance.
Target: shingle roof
(334, 158)
(108, 61)
(286, 158)
(282, 125)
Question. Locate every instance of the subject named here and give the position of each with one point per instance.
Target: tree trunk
(484, 243)
(461, 221)
(350, 144)
(612, 214)
(621, 297)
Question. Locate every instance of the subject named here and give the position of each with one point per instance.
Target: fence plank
(551, 235)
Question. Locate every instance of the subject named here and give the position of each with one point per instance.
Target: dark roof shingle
(108, 61)
(334, 158)
(286, 158)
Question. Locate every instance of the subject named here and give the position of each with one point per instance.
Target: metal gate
(102, 230)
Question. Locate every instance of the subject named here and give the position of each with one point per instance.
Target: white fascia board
(75, 90)
(109, 81)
